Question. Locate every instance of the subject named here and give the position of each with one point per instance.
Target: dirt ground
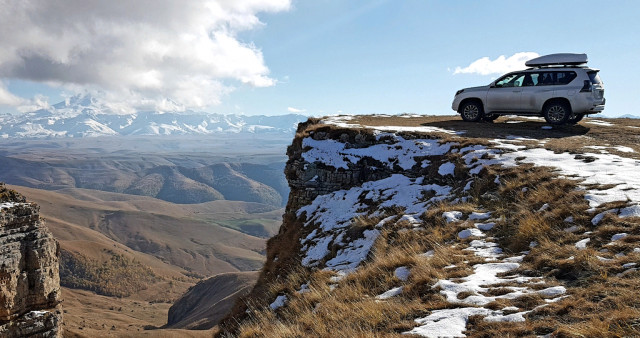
(588, 132)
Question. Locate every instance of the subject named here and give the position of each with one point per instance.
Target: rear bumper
(596, 108)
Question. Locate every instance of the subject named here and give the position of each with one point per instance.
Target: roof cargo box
(567, 59)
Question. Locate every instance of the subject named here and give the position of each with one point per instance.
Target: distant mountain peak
(86, 116)
(80, 100)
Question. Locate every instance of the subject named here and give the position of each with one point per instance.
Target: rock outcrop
(29, 271)
(309, 178)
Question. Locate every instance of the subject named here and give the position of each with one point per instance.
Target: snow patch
(599, 123)
(466, 233)
(619, 236)
(485, 226)
(447, 169)
(447, 323)
(452, 216)
(632, 211)
(333, 213)
(402, 273)
(401, 152)
(553, 291)
(280, 301)
(479, 216)
(580, 245)
(391, 293)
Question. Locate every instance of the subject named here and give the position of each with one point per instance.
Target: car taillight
(586, 87)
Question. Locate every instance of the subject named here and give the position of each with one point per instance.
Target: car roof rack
(559, 59)
(556, 66)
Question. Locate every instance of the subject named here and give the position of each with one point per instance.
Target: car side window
(546, 79)
(528, 80)
(536, 78)
(511, 80)
(564, 78)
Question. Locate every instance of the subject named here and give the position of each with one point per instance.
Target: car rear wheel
(575, 118)
(471, 111)
(557, 113)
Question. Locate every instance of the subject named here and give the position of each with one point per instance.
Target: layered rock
(29, 271)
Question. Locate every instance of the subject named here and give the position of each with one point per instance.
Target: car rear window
(594, 77)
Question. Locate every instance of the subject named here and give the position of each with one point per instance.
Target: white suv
(558, 87)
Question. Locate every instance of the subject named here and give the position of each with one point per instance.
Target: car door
(537, 89)
(504, 94)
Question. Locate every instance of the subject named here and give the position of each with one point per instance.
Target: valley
(185, 169)
(128, 254)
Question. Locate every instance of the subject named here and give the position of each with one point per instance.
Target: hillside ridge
(430, 227)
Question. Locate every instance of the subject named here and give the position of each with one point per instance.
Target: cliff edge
(29, 271)
(428, 226)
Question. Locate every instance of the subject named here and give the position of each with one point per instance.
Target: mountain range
(86, 116)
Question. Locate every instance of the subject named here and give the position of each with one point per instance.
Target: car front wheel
(471, 111)
(557, 113)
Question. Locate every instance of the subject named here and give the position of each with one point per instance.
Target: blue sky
(362, 57)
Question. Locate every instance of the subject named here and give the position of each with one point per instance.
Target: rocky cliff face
(318, 165)
(431, 231)
(29, 277)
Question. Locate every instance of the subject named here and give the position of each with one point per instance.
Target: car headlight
(459, 91)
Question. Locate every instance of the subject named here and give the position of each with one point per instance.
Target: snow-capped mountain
(84, 116)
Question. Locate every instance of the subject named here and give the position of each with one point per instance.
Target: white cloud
(296, 110)
(501, 65)
(143, 50)
(8, 99)
(38, 102)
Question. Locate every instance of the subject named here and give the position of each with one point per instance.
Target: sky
(313, 57)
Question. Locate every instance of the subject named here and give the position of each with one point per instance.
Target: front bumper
(455, 104)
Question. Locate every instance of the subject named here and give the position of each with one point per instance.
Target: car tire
(557, 113)
(490, 117)
(575, 118)
(471, 111)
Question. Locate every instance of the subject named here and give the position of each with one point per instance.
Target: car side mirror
(492, 85)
